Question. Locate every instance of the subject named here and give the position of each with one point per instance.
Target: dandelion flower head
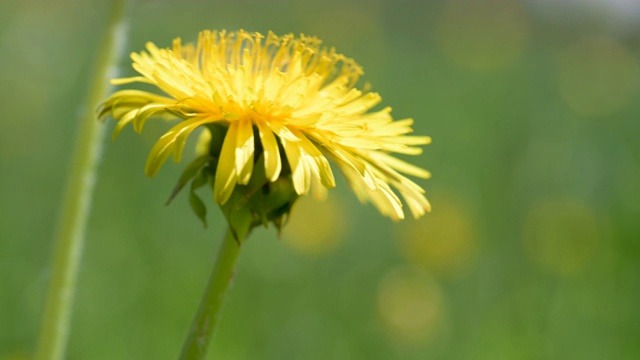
(288, 104)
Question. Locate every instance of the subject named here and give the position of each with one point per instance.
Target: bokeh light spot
(483, 35)
(316, 227)
(597, 76)
(410, 306)
(351, 23)
(443, 241)
(355, 29)
(561, 236)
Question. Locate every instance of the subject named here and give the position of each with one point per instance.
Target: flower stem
(54, 328)
(195, 346)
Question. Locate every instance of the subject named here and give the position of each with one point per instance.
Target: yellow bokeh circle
(560, 236)
(597, 76)
(410, 306)
(316, 227)
(483, 35)
(442, 241)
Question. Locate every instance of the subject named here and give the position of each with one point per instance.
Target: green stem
(195, 346)
(54, 330)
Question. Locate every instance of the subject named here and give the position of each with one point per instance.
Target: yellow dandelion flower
(286, 103)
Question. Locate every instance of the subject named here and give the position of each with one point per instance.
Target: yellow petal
(203, 143)
(144, 113)
(318, 163)
(400, 165)
(299, 170)
(411, 140)
(271, 153)
(418, 204)
(244, 151)
(181, 139)
(343, 156)
(167, 144)
(123, 122)
(402, 149)
(128, 80)
(388, 201)
(226, 175)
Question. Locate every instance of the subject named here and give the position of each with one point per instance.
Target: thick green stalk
(54, 330)
(195, 346)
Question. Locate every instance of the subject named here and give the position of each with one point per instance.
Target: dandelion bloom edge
(286, 99)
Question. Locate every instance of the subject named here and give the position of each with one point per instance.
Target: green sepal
(239, 217)
(197, 205)
(280, 200)
(189, 173)
(268, 201)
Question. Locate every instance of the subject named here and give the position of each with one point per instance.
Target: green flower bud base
(257, 203)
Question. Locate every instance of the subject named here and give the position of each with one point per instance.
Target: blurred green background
(531, 251)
